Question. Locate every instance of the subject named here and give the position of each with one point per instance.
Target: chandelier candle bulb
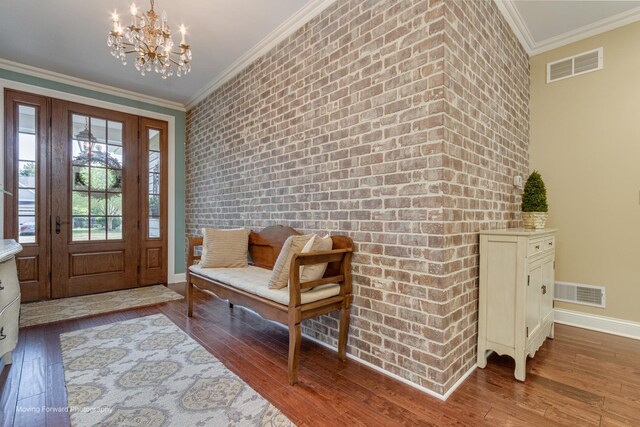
(115, 18)
(134, 13)
(183, 31)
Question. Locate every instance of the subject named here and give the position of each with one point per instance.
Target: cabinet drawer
(549, 244)
(9, 286)
(536, 246)
(9, 326)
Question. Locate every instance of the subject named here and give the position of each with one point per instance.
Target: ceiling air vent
(580, 294)
(575, 65)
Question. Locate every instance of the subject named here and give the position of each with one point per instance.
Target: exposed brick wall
(355, 124)
(486, 82)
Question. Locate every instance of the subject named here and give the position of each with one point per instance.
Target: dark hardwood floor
(580, 378)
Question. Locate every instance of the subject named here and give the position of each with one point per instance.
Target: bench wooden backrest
(265, 246)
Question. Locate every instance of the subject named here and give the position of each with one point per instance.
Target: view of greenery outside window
(97, 162)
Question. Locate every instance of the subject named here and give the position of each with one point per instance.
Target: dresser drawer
(9, 326)
(9, 286)
(536, 246)
(549, 244)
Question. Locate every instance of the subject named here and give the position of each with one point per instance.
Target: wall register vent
(576, 65)
(580, 294)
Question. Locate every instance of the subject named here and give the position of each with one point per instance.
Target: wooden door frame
(152, 250)
(151, 112)
(33, 262)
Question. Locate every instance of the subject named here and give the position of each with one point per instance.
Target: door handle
(1, 285)
(58, 223)
(2, 335)
(544, 289)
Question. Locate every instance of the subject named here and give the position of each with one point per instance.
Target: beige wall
(585, 141)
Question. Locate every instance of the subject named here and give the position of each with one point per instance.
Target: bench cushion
(255, 280)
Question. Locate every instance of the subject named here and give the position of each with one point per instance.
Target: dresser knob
(537, 246)
(2, 335)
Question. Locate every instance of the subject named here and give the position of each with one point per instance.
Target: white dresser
(516, 293)
(9, 300)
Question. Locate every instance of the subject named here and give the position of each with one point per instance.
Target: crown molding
(595, 28)
(284, 30)
(520, 29)
(517, 24)
(87, 84)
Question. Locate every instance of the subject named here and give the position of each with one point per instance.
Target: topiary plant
(534, 197)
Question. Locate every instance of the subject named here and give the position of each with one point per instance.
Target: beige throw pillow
(280, 274)
(311, 272)
(224, 248)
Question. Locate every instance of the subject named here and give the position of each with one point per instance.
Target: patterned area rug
(37, 313)
(148, 372)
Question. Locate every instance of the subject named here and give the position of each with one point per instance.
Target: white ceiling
(542, 25)
(69, 37)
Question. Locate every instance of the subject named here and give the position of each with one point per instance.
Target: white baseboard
(439, 396)
(609, 325)
(178, 278)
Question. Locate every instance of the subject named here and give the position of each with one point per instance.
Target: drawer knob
(2, 335)
(537, 246)
(550, 243)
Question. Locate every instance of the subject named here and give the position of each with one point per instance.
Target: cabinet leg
(8, 359)
(482, 357)
(521, 365)
(552, 331)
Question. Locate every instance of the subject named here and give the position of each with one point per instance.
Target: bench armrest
(191, 254)
(343, 256)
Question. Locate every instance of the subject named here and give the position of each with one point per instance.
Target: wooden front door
(94, 200)
(89, 201)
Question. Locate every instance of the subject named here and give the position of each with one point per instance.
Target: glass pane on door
(27, 173)
(154, 184)
(96, 179)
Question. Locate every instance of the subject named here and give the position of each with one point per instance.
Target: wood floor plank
(10, 383)
(29, 412)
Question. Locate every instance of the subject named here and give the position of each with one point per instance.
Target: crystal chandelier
(149, 39)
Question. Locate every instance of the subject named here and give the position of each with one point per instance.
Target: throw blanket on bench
(247, 286)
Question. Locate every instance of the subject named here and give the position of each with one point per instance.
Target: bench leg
(189, 298)
(230, 305)
(343, 332)
(295, 337)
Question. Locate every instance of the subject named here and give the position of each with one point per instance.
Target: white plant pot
(534, 220)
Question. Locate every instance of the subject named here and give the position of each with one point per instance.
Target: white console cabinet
(516, 293)
(9, 300)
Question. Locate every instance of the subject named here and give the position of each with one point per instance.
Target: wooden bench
(264, 248)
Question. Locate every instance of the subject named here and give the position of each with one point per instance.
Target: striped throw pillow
(224, 248)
